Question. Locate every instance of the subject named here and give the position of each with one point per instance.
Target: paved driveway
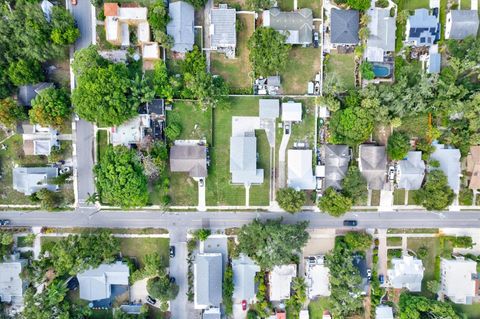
(84, 154)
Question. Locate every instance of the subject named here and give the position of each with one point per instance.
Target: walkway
(282, 154)
(201, 196)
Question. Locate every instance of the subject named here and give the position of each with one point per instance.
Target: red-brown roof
(281, 315)
(110, 9)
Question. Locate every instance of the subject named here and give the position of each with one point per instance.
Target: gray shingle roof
(269, 108)
(223, 29)
(208, 279)
(463, 23)
(382, 29)
(344, 26)
(26, 93)
(373, 165)
(29, 180)
(181, 25)
(243, 160)
(189, 158)
(297, 26)
(337, 158)
(244, 271)
(411, 171)
(449, 160)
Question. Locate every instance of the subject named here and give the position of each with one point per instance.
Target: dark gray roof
(344, 26)
(463, 23)
(411, 171)
(181, 25)
(373, 165)
(297, 25)
(189, 158)
(337, 158)
(208, 279)
(224, 33)
(29, 180)
(26, 93)
(243, 160)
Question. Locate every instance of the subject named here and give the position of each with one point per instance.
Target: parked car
(151, 300)
(4, 222)
(201, 182)
(172, 251)
(350, 222)
(369, 273)
(381, 279)
(315, 39)
(74, 2)
(391, 173)
(287, 129)
(172, 279)
(244, 305)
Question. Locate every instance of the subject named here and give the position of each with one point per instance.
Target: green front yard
(413, 4)
(302, 65)
(140, 247)
(260, 194)
(340, 69)
(399, 197)
(102, 143)
(285, 5)
(469, 311)
(316, 307)
(375, 198)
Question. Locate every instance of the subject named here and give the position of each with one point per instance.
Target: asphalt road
(220, 220)
(82, 12)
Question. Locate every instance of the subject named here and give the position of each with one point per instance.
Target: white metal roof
(457, 279)
(95, 283)
(112, 25)
(11, 285)
(280, 280)
(244, 271)
(407, 272)
(151, 51)
(143, 33)
(384, 312)
(132, 14)
(317, 277)
(300, 172)
(292, 111)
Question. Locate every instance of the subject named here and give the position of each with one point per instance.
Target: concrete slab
(321, 242)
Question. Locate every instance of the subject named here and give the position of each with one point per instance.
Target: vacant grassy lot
(394, 241)
(469, 311)
(183, 189)
(302, 65)
(140, 247)
(196, 123)
(220, 191)
(236, 72)
(259, 194)
(316, 307)
(102, 143)
(340, 67)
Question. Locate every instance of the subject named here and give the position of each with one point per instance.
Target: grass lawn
(102, 143)
(236, 71)
(237, 4)
(285, 5)
(375, 198)
(302, 65)
(21, 242)
(341, 67)
(259, 194)
(305, 130)
(101, 314)
(196, 123)
(394, 241)
(139, 247)
(220, 191)
(411, 195)
(47, 242)
(415, 126)
(183, 189)
(316, 307)
(315, 5)
(399, 197)
(469, 311)
(414, 4)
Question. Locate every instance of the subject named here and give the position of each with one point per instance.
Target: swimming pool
(381, 70)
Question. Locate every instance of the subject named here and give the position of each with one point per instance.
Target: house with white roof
(304, 314)
(12, 286)
(411, 171)
(291, 112)
(208, 279)
(461, 24)
(449, 159)
(300, 172)
(384, 312)
(317, 277)
(130, 132)
(223, 32)
(181, 26)
(407, 272)
(38, 140)
(382, 34)
(244, 271)
(280, 279)
(459, 280)
(96, 283)
(29, 180)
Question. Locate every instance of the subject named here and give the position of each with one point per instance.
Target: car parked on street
(151, 300)
(4, 222)
(244, 305)
(381, 278)
(350, 223)
(172, 251)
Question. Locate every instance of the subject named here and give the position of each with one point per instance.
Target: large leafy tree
(158, 19)
(51, 107)
(64, 31)
(435, 194)
(25, 72)
(358, 240)
(272, 243)
(355, 185)
(86, 59)
(334, 203)
(351, 126)
(11, 112)
(290, 199)
(414, 306)
(162, 288)
(398, 145)
(161, 81)
(361, 5)
(268, 51)
(120, 178)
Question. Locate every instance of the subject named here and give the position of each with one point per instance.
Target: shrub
(381, 3)
(466, 197)
(367, 70)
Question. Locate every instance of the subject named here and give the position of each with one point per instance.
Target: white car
(391, 173)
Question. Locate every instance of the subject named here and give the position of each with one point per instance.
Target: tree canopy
(361, 5)
(398, 146)
(162, 288)
(268, 51)
(11, 112)
(414, 306)
(64, 31)
(435, 194)
(358, 240)
(354, 185)
(120, 179)
(24, 72)
(334, 203)
(290, 199)
(351, 126)
(51, 107)
(272, 243)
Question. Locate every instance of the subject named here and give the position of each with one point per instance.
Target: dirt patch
(381, 134)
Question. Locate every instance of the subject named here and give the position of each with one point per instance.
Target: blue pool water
(381, 70)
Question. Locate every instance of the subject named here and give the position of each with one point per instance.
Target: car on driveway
(4, 222)
(151, 300)
(287, 129)
(381, 279)
(391, 173)
(315, 39)
(172, 251)
(350, 222)
(369, 273)
(244, 305)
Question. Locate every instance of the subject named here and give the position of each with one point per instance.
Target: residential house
(12, 286)
(360, 263)
(244, 271)
(383, 312)
(181, 26)
(47, 7)
(373, 165)
(208, 278)
(459, 280)
(267, 86)
(317, 277)
(243, 159)
(103, 282)
(297, 26)
(29, 180)
(212, 313)
(337, 158)
(300, 173)
(118, 21)
(411, 171)
(407, 272)
(26, 93)
(280, 279)
(191, 158)
(38, 140)
(449, 160)
(473, 167)
(382, 34)
(422, 29)
(291, 112)
(344, 25)
(461, 24)
(223, 31)
(131, 132)
(269, 108)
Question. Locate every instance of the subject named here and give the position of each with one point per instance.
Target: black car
(172, 280)
(151, 300)
(4, 222)
(172, 251)
(315, 39)
(350, 222)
